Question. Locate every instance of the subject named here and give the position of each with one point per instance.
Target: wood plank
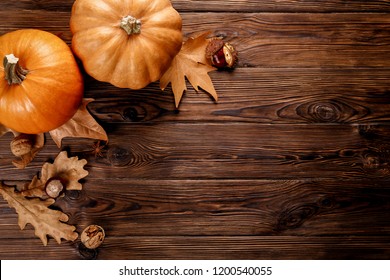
(276, 28)
(268, 39)
(292, 163)
(219, 248)
(183, 151)
(203, 151)
(282, 6)
(256, 95)
(252, 248)
(222, 207)
(228, 5)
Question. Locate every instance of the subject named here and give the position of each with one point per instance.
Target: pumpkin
(41, 86)
(128, 43)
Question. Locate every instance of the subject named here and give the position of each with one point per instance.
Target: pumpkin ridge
(170, 41)
(153, 45)
(108, 62)
(92, 8)
(153, 76)
(164, 15)
(152, 7)
(25, 104)
(35, 98)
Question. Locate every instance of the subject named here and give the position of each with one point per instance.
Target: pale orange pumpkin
(41, 86)
(128, 43)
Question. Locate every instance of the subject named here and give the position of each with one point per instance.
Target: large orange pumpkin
(41, 86)
(128, 43)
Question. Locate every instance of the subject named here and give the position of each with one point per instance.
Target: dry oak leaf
(24, 160)
(38, 142)
(82, 124)
(3, 130)
(35, 211)
(190, 62)
(68, 170)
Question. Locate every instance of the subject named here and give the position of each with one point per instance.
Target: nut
(54, 187)
(21, 145)
(92, 236)
(221, 54)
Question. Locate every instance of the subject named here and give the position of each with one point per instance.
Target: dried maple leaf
(35, 211)
(82, 124)
(68, 170)
(190, 62)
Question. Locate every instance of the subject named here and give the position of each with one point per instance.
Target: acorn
(221, 54)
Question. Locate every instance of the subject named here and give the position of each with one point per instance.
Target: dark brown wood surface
(293, 162)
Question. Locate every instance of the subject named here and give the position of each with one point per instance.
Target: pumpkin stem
(131, 25)
(14, 73)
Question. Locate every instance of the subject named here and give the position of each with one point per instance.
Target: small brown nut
(221, 54)
(21, 145)
(213, 47)
(231, 56)
(54, 187)
(92, 236)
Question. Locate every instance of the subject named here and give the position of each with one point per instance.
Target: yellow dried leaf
(35, 211)
(190, 62)
(68, 170)
(82, 125)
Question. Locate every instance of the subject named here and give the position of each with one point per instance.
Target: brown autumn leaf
(190, 62)
(68, 170)
(82, 124)
(3, 130)
(35, 211)
(38, 143)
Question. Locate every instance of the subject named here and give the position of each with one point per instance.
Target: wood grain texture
(292, 162)
(208, 248)
(251, 151)
(267, 39)
(282, 96)
(224, 207)
(230, 5)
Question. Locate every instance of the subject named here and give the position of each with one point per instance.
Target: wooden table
(293, 162)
